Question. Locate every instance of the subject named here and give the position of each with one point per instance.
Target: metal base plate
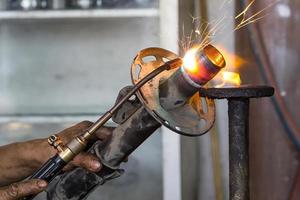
(243, 91)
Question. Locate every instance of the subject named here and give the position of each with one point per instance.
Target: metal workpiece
(238, 114)
(194, 118)
(133, 130)
(127, 137)
(203, 64)
(79, 183)
(175, 91)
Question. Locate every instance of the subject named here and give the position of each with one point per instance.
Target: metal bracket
(195, 118)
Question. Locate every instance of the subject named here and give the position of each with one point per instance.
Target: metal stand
(238, 113)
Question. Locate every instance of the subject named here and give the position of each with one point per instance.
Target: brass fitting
(73, 148)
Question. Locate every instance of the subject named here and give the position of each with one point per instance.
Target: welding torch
(54, 165)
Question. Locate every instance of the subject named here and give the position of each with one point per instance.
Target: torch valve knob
(56, 142)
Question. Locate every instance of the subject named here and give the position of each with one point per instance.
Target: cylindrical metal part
(175, 91)
(201, 65)
(238, 113)
(198, 68)
(73, 148)
(127, 137)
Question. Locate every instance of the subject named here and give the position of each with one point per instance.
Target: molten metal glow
(206, 33)
(226, 78)
(230, 76)
(190, 62)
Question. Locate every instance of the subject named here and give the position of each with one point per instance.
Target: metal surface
(198, 68)
(127, 137)
(205, 63)
(193, 119)
(175, 91)
(238, 113)
(244, 91)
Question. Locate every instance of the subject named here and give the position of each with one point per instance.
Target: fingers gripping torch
(167, 90)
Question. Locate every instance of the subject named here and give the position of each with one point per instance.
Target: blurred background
(64, 61)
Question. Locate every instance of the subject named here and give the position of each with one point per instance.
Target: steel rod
(238, 113)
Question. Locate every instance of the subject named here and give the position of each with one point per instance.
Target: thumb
(22, 189)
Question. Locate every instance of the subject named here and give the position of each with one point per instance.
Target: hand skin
(22, 189)
(22, 159)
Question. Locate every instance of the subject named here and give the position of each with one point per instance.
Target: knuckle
(108, 131)
(77, 160)
(13, 190)
(85, 160)
(85, 123)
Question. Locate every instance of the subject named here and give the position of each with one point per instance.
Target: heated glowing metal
(199, 67)
(229, 76)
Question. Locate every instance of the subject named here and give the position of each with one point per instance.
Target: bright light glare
(229, 79)
(189, 60)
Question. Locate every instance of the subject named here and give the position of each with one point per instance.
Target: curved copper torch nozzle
(215, 56)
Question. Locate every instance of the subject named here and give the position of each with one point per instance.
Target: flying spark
(244, 20)
(211, 32)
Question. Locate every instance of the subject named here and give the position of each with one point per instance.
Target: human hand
(20, 160)
(22, 189)
(84, 160)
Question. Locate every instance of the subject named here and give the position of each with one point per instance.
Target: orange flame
(228, 79)
(229, 76)
(233, 61)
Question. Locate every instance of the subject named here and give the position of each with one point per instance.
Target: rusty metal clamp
(56, 142)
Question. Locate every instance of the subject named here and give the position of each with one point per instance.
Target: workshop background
(64, 61)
